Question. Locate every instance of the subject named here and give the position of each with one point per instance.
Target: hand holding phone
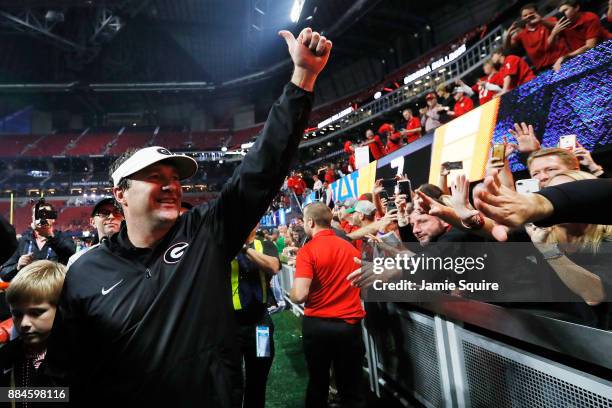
(527, 186)
(454, 165)
(567, 142)
(499, 152)
(405, 187)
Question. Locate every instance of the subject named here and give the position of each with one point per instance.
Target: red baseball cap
(384, 128)
(430, 95)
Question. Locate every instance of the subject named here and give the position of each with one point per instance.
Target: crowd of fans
(448, 212)
(532, 45)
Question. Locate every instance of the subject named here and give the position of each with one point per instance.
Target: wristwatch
(552, 251)
(475, 222)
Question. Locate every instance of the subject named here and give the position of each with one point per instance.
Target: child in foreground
(32, 297)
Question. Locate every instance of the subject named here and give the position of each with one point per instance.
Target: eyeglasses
(107, 213)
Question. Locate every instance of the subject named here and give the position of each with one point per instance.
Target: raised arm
(247, 195)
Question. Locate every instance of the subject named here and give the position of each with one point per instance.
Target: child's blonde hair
(38, 282)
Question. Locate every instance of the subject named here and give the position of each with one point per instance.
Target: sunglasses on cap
(107, 213)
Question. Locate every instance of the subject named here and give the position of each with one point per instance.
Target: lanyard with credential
(30, 247)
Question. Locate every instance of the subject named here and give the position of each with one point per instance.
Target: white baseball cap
(185, 165)
(365, 207)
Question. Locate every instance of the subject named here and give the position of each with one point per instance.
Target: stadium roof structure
(144, 50)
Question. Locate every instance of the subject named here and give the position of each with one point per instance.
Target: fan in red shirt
(394, 139)
(364, 214)
(534, 38)
(330, 174)
(296, 183)
(350, 150)
(345, 216)
(413, 126)
(580, 30)
(331, 333)
(463, 103)
(514, 70)
(377, 150)
(489, 85)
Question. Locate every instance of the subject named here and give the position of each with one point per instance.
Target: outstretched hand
(460, 198)
(526, 138)
(507, 207)
(309, 53)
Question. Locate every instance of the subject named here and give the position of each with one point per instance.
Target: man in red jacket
(330, 173)
(489, 85)
(413, 128)
(579, 30)
(296, 183)
(332, 312)
(463, 103)
(534, 38)
(394, 139)
(377, 150)
(514, 70)
(350, 150)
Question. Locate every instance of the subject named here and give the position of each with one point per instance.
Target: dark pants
(333, 341)
(256, 369)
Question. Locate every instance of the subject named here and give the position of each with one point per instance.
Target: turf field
(287, 379)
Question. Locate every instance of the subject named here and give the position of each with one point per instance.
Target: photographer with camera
(41, 242)
(531, 31)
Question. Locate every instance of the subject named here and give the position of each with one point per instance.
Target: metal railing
(433, 352)
(466, 63)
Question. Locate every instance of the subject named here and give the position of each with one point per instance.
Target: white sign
(335, 117)
(435, 65)
(362, 156)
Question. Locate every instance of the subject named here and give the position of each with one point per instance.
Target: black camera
(520, 23)
(42, 215)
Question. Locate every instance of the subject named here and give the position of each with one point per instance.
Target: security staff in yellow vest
(252, 270)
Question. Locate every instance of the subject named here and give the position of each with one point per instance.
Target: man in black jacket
(7, 236)
(147, 317)
(41, 242)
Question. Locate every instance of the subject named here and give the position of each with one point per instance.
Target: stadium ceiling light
(296, 10)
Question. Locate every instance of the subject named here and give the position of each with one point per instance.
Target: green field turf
(287, 379)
